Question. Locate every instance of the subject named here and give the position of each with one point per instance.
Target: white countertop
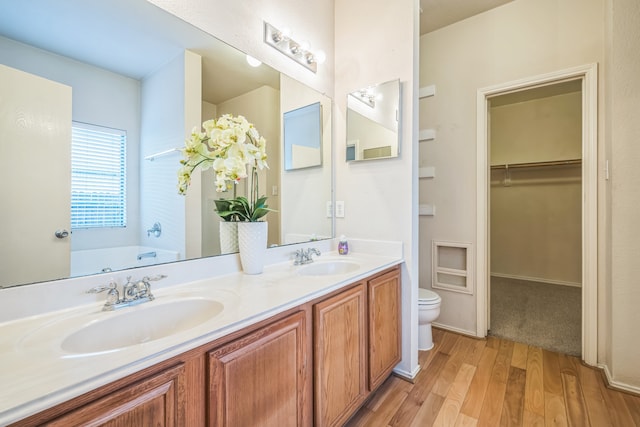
(36, 374)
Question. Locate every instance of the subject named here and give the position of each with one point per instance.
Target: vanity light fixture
(366, 95)
(298, 51)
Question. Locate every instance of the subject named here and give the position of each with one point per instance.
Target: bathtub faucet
(156, 230)
(151, 254)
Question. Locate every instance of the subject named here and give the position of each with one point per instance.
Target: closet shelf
(539, 164)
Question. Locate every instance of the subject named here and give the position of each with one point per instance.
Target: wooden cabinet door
(339, 356)
(384, 326)
(259, 380)
(156, 401)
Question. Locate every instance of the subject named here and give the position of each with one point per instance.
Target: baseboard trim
(537, 279)
(456, 330)
(407, 376)
(616, 385)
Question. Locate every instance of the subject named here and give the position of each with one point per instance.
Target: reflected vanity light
(253, 61)
(298, 51)
(366, 95)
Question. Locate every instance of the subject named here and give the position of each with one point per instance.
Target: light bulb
(320, 56)
(294, 48)
(253, 61)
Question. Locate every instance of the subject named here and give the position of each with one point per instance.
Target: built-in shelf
(427, 134)
(427, 172)
(427, 91)
(452, 266)
(427, 210)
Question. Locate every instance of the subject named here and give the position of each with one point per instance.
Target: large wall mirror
(128, 68)
(373, 114)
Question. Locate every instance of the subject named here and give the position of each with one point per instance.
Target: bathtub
(92, 261)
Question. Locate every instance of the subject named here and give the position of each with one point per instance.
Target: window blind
(98, 177)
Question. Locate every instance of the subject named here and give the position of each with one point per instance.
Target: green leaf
(225, 209)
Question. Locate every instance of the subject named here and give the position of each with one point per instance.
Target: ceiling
(114, 33)
(133, 38)
(440, 13)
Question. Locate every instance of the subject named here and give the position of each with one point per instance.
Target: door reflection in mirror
(373, 114)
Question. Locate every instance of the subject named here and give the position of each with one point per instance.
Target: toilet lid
(425, 296)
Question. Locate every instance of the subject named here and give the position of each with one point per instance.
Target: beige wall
(520, 39)
(306, 210)
(366, 134)
(623, 133)
(376, 41)
(262, 108)
(241, 24)
(537, 130)
(535, 229)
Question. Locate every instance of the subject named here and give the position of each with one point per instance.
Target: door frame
(588, 74)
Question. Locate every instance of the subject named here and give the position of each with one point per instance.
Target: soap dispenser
(343, 245)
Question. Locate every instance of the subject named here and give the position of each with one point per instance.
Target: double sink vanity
(296, 345)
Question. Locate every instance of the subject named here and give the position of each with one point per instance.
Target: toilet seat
(427, 297)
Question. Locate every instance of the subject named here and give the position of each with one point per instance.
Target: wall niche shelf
(427, 172)
(427, 135)
(426, 210)
(427, 91)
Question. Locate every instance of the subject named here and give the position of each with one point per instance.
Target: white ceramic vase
(228, 237)
(252, 242)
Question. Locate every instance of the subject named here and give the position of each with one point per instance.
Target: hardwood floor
(495, 382)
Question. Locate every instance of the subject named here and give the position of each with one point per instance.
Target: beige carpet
(539, 314)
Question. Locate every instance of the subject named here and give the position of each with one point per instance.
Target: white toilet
(428, 311)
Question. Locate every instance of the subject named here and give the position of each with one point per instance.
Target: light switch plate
(339, 209)
(329, 209)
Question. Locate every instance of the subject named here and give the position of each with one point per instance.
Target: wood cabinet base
(312, 364)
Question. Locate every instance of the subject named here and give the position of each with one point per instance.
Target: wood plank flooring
(496, 382)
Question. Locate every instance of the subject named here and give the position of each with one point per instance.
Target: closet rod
(538, 164)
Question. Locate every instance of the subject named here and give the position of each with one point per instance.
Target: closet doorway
(536, 261)
(535, 216)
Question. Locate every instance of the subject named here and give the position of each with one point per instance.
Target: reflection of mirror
(372, 122)
(128, 65)
(303, 137)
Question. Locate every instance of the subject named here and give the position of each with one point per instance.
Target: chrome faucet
(305, 257)
(156, 230)
(133, 292)
(143, 255)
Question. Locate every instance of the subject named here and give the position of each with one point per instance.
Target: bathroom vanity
(297, 345)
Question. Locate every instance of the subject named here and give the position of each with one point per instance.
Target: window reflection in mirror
(303, 137)
(373, 114)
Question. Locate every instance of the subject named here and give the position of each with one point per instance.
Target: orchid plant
(231, 146)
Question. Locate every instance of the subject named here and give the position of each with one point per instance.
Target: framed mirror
(373, 114)
(151, 77)
(303, 137)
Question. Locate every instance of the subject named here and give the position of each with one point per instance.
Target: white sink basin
(144, 323)
(328, 268)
